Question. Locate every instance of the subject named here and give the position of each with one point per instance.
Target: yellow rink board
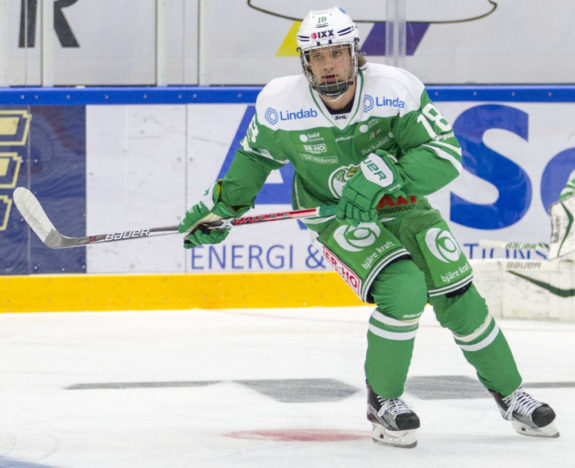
(39, 293)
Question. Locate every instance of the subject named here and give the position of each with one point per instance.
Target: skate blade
(402, 439)
(549, 431)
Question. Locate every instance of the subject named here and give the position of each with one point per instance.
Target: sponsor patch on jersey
(442, 245)
(357, 238)
(318, 159)
(344, 138)
(297, 115)
(316, 149)
(349, 276)
(273, 116)
(311, 137)
(369, 102)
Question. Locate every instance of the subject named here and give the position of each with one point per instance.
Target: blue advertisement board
(42, 148)
(517, 155)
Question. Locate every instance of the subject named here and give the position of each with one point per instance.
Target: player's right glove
(208, 210)
(377, 176)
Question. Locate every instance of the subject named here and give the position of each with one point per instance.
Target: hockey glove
(377, 176)
(208, 210)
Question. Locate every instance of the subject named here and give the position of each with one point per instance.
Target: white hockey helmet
(328, 28)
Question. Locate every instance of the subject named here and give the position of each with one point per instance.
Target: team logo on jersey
(356, 238)
(442, 245)
(339, 177)
(271, 115)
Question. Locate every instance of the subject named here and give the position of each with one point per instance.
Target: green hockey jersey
(391, 111)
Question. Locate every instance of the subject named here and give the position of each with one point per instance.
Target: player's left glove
(377, 176)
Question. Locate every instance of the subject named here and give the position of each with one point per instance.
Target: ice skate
(394, 423)
(527, 415)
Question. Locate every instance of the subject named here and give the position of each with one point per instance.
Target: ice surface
(256, 388)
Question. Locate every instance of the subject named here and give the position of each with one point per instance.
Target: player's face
(330, 64)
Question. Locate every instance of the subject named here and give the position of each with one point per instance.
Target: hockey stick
(38, 220)
(562, 233)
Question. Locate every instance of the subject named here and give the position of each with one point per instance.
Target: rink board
(109, 159)
(523, 289)
(42, 293)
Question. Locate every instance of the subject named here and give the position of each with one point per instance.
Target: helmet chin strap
(333, 99)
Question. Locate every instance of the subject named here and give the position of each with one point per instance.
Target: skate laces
(521, 402)
(395, 406)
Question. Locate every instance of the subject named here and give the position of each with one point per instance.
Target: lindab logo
(273, 116)
(369, 102)
(300, 114)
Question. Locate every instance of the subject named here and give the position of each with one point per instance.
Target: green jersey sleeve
(429, 153)
(251, 166)
(244, 179)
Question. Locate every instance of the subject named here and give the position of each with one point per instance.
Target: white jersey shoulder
(390, 90)
(286, 103)
(279, 89)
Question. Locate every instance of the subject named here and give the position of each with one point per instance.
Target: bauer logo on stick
(128, 234)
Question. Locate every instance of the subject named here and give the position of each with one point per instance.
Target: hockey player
(367, 138)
